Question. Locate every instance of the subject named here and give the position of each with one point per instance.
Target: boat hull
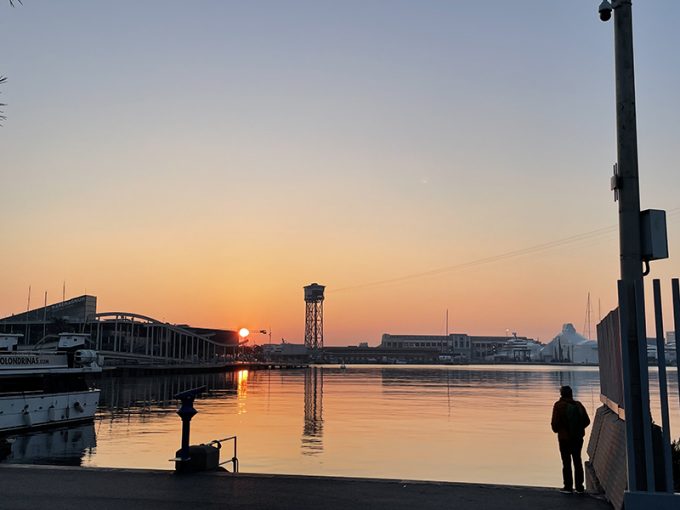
(29, 411)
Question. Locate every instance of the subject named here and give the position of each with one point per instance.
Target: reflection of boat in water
(46, 387)
(56, 446)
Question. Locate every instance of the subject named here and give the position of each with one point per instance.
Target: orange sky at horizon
(514, 294)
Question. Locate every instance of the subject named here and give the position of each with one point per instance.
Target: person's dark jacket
(569, 419)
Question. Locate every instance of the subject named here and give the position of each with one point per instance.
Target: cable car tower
(314, 318)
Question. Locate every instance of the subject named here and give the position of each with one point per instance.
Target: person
(569, 422)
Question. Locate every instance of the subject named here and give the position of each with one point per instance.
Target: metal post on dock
(186, 412)
(675, 284)
(663, 387)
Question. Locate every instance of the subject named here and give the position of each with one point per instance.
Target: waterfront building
(285, 351)
(124, 337)
(365, 354)
(464, 347)
(455, 345)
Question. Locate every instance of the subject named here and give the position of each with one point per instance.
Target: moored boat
(46, 387)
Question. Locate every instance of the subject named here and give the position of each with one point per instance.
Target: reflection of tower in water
(312, 435)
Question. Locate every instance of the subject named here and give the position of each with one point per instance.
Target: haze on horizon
(200, 162)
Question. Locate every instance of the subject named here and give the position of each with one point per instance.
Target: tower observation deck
(314, 318)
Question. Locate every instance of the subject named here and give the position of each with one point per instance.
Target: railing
(234, 459)
(208, 461)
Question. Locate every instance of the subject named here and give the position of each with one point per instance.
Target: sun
(243, 332)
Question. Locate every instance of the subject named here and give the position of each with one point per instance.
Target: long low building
(455, 344)
(462, 346)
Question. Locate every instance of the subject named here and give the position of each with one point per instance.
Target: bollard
(186, 412)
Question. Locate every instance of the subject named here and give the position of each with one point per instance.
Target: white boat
(46, 387)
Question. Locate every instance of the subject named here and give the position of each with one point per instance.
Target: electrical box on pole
(653, 234)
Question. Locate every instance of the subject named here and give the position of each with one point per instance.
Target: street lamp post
(243, 334)
(625, 182)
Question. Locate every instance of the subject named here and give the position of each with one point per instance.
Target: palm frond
(3, 79)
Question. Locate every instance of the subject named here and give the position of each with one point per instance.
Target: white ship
(46, 387)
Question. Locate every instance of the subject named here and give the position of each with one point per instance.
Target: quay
(197, 368)
(60, 488)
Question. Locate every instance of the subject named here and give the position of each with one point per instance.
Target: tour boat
(46, 387)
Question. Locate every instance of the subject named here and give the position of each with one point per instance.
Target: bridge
(133, 338)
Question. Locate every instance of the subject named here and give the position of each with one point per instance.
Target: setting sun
(243, 332)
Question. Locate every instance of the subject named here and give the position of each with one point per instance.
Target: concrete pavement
(56, 488)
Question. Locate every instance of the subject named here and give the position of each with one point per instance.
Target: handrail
(234, 459)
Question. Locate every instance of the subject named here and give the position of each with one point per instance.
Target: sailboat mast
(589, 315)
(586, 324)
(45, 317)
(28, 308)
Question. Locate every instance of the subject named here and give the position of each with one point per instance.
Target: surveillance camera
(605, 10)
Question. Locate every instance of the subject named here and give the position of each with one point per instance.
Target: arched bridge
(128, 337)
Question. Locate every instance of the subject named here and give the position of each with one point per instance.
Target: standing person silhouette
(569, 422)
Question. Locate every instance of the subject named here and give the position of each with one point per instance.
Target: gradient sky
(199, 162)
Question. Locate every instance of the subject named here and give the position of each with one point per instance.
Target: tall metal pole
(676, 325)
(663, 387)
(629, 238)
(627, 155)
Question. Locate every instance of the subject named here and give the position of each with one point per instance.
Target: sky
(200, 162)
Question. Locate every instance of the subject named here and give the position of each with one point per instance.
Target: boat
(47, 386)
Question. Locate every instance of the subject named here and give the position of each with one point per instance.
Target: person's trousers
(570, 450)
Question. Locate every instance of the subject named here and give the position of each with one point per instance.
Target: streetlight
(627, 187)
(243, 334)
(625, 183)
(267, 332)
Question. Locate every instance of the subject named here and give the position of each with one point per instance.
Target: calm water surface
(472, 423)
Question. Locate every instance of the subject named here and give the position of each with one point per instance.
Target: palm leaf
(3, 79)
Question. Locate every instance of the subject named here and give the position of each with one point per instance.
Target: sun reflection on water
(242, 390)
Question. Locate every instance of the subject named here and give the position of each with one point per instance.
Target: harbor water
(487, 424)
